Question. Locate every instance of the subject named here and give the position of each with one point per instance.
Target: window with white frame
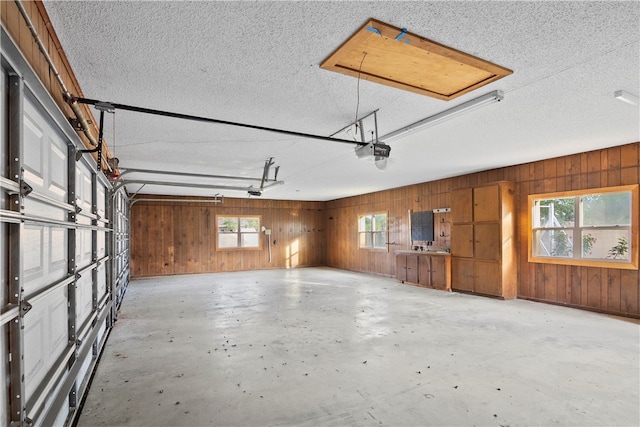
(372, 231)
(588, 227)
(238, 232)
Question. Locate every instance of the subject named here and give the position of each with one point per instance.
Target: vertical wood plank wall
(179, 238)
(603, 289)
(342, 230)
(169, 238)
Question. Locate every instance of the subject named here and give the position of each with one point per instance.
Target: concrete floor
(318, 346)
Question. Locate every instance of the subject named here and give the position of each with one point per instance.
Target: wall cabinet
(483, 240)
(424, 269)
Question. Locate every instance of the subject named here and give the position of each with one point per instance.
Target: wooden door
(462, 274)
(486, 203)
(488, 278)
(462, 205)
(487, 241)
(462, 240)
(424, 270)
(438, 272)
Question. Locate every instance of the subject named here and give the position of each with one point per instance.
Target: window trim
(358, 232)
(631, 264)
(250, 248)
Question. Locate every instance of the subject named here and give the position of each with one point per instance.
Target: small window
(372, 231)
(596, 227)
(238, 232)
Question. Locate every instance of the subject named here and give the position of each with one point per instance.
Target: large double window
(238, 232)
(372, 231)
(597, 227)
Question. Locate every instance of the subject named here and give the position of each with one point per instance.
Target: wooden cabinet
(424, 269)
(461, 205)
(482, 240)
(407, 268)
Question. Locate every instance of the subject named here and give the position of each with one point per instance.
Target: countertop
(411, 251)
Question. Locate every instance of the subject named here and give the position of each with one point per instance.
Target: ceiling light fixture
(489, 98)
(627, 97)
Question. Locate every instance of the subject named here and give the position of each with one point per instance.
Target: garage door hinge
(25, 189)
(25, 307)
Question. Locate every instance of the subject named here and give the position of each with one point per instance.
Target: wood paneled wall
(608, 290)
(602, 289)
(179, 238)
(170, 238)
(342, 224)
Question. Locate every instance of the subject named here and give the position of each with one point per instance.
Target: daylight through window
(372, 231)
(238, 232)
(584, 227)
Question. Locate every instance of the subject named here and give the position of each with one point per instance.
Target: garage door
(61, 279)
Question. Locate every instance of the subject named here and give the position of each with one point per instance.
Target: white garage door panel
(33, 145)
(45, 337)
(102, 281)
(58, 168)
(83, 188)
(102, 249)
(43, 256)
(100, 201)
(83, 248)
(84, 298)
(45, 155)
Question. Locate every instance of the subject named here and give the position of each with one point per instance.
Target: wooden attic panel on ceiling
(388, 55)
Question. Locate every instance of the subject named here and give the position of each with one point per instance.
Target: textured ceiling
(258, 63)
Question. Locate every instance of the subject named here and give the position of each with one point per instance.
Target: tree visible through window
(238, 232)
(583, 226)
(372, 231)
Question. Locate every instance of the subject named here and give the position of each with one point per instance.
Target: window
(238, 232)
(596, 227)
(372, 231)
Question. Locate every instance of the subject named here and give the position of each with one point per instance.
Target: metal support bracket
(102, 108)
(25, 189)
(25, 307)
(77, 124)
(78, 346)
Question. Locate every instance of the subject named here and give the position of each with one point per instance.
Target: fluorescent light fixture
(489, 98)
(627, 97)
